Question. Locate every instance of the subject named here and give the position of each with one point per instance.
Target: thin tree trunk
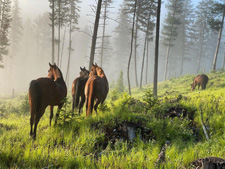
(218, 42)
(168, 49)
(166, 64)
(200, 55)
(70, 44)
(103, 34)
(155, 80)
(135, 50)
(146, 74)
(64, 36)
(182, 56)
(223, 61)
(59, 26)
(53, 31)
(95, 32)
(131, 46)
(143, 59)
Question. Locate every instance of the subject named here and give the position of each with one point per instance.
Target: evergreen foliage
(5, 20)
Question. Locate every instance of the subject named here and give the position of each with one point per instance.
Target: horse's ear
(54, 64)
(96, 64)
(84, 68)
(81, 68)
(92, 64)
(50, 64)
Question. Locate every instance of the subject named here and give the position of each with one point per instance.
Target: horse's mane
(58, 72)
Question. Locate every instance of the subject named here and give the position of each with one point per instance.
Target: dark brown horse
(78, 89)
(43, 92)
(200, 80)
(96, 89)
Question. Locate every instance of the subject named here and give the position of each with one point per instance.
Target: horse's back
(48, 89)
(99, 86)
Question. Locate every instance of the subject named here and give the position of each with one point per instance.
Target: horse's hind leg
(81, 104)
(96, 106)
(57, 114)
(31, 124)
(35, 127)
(51, 114)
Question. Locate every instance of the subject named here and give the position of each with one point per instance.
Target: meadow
(103, 140)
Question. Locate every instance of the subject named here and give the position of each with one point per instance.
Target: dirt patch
(208, 163)
(126, 131)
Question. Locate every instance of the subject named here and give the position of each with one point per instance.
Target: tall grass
(81, 142)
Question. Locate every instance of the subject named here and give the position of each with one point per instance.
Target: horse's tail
(34, 98)
(76, 95)
(90, 98)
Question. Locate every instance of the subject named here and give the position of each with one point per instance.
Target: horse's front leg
(51, 114)
(57, 114)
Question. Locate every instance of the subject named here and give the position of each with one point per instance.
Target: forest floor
(138, 131)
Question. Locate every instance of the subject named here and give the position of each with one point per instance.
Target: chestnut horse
(78, 89)
(96, 89)
(43, 92)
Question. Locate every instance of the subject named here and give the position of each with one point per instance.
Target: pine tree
(16, 29)
(5, 20)
(186, 30)
(216, 23)
(203, 31)
(147, 25)
(72, 22)
(170, 27)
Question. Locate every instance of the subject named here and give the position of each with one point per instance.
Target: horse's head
(50, 74)
(100, 72)
(93, 70)
(84, 72)
(55, 71)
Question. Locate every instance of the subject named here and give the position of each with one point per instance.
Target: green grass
(81, 142)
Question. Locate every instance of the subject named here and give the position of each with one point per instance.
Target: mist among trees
(191, 40)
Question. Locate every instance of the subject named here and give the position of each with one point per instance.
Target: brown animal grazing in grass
(78, 89)
(96, 89)
(200, 80)
(43, 92)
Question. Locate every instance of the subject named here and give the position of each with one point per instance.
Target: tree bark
(143, 59)
(59, 27)
(131, 48)
(218, 42)
(53, 31)
(146, 74)
(103, 34)
(95, 32)
(155, 80)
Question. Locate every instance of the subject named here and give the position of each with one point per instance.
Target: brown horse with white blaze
(43, 92)
(78, 86)
(96, 89)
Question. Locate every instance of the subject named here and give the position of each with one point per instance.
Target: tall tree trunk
(143, 59)
(131, 48)
(168, 48)
(223, 61)
(218, 42)
(53, 31)
(103, 34)
(95, 32)
(182, 56)
(70, 49)
(166, 64)
(146, 74)
(155, 80)
(200, 55)
(64, 36)
(59, 26)
(135, 50)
